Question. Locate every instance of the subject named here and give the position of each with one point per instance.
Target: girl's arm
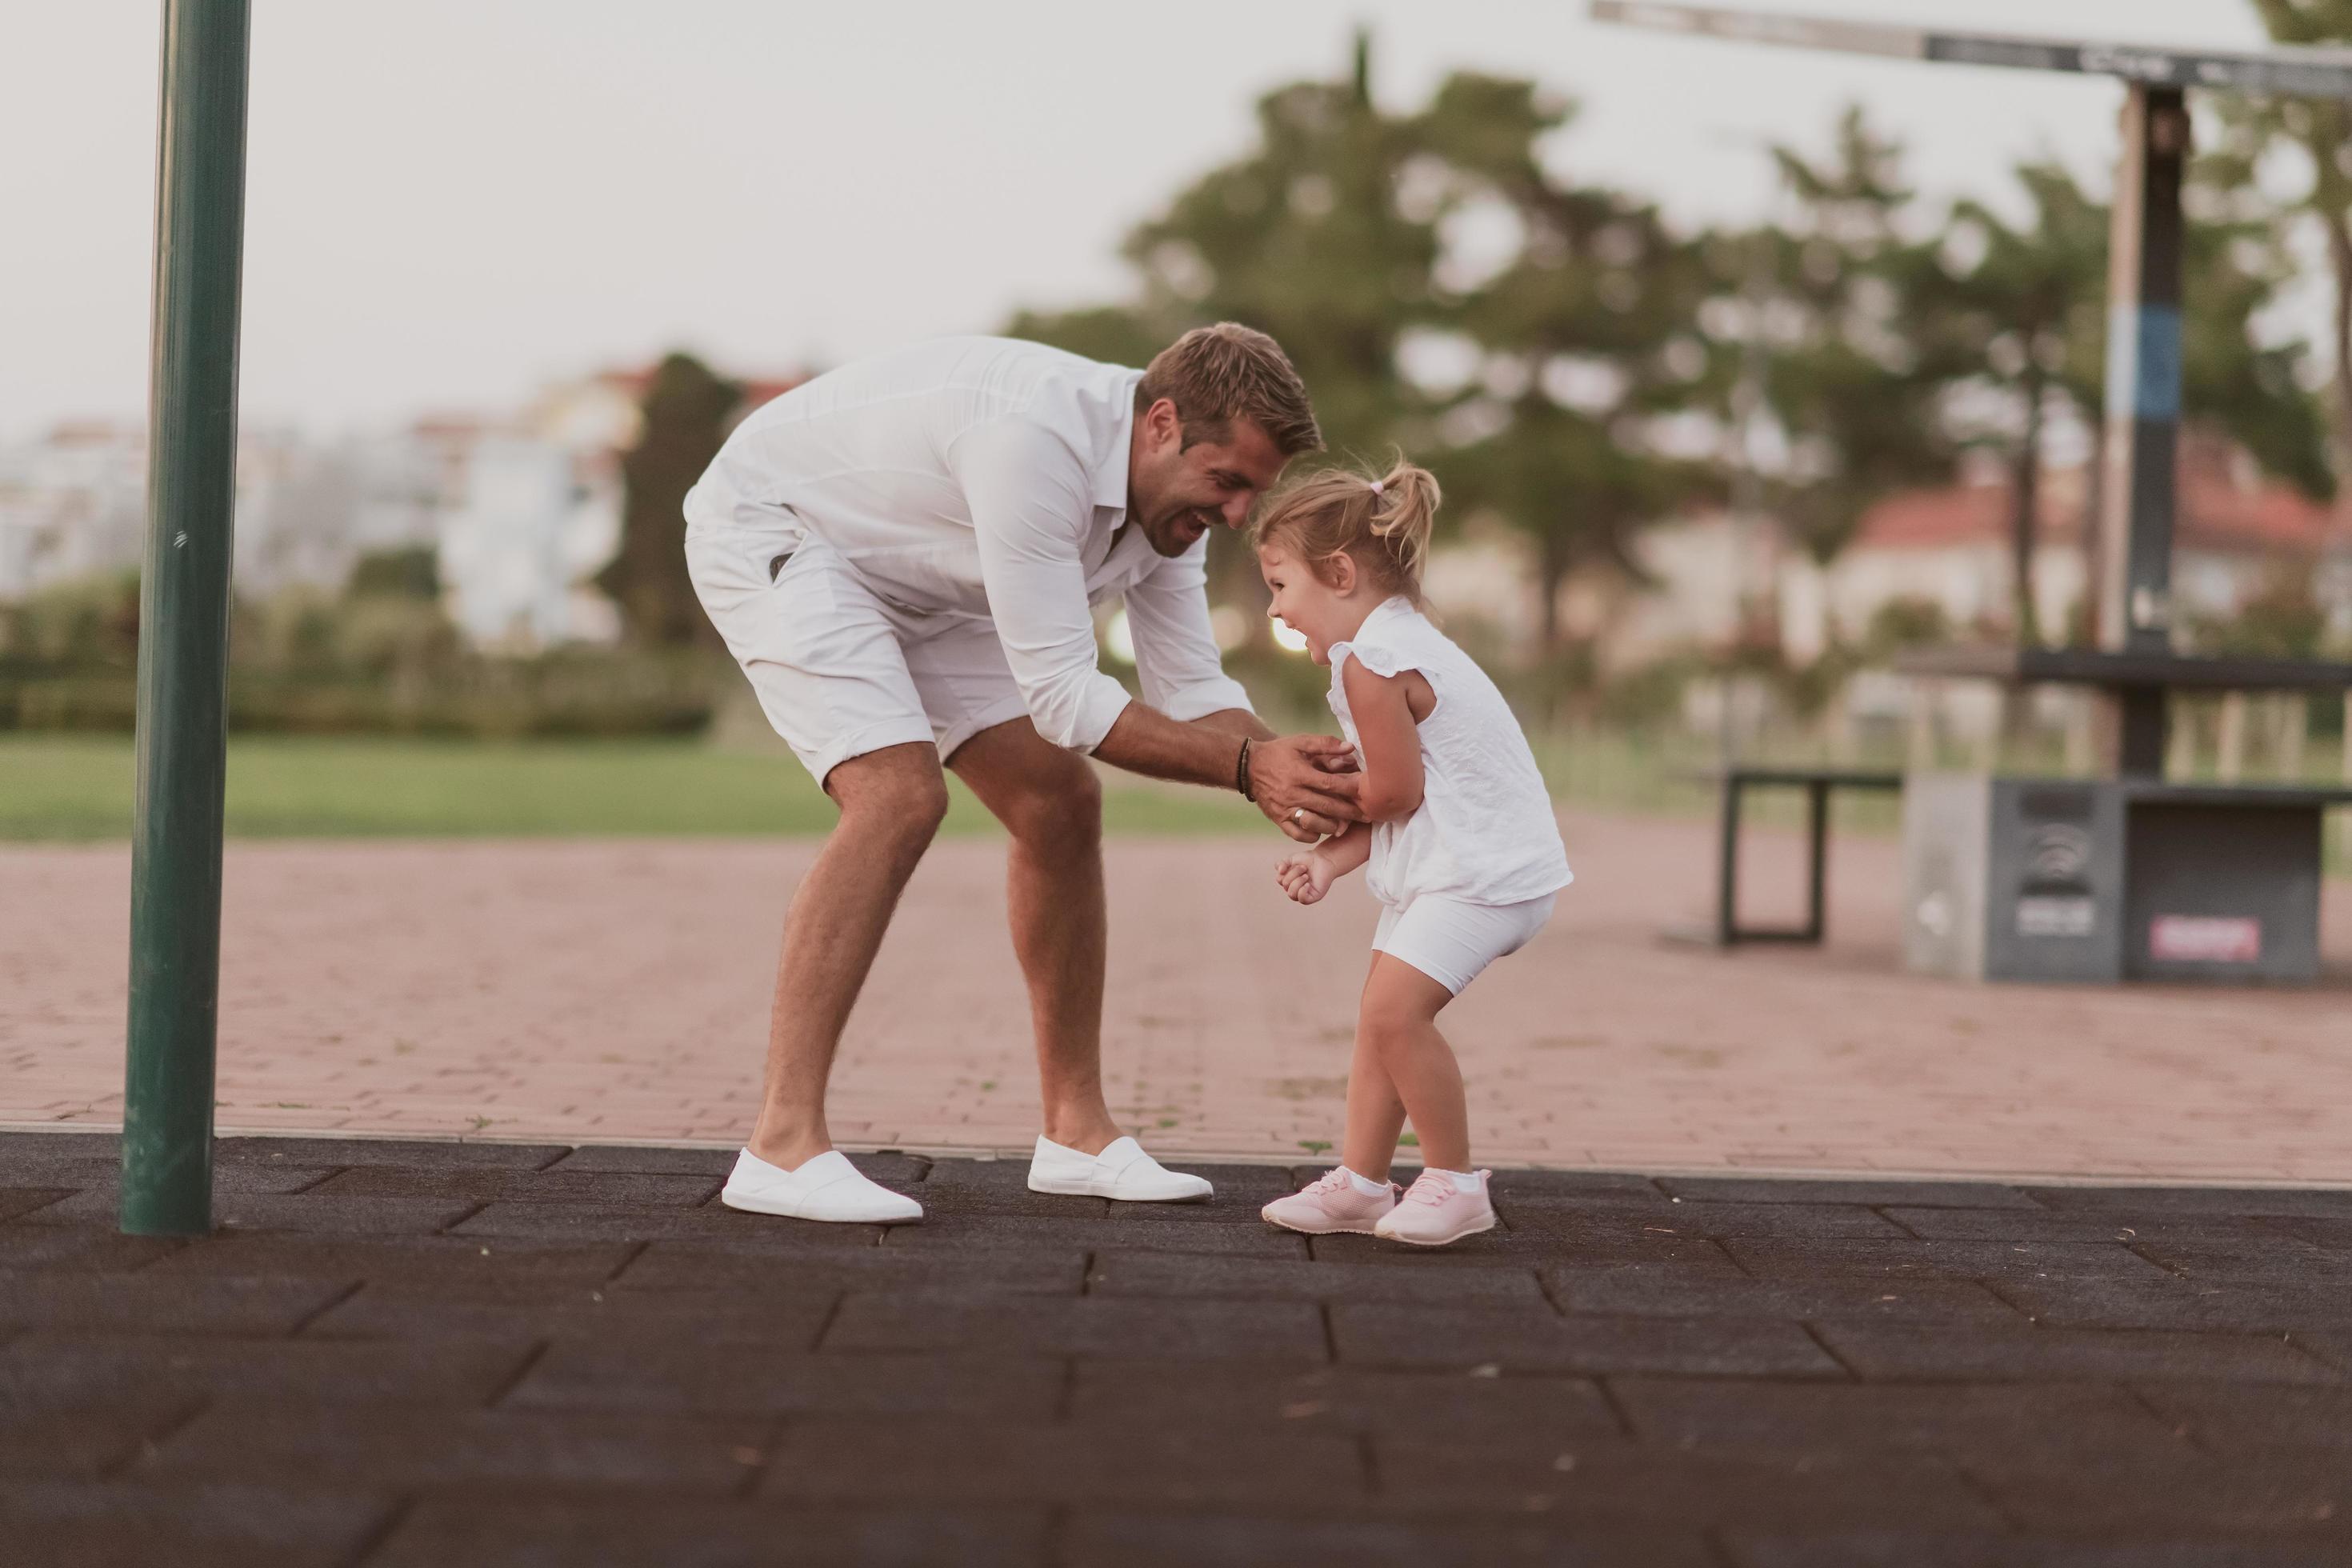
(1308, 874)
(1387, 710)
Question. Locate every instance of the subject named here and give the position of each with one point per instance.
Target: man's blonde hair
(1217, 375)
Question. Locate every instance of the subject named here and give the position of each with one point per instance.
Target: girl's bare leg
(1399, 1024)
(1375, 1114)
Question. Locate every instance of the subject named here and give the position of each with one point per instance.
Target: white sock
(1464, 1181)
(1365, 1184)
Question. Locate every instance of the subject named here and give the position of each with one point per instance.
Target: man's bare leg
(1050, 802)
(891, 802)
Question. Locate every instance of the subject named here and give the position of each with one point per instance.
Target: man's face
(1177, 493)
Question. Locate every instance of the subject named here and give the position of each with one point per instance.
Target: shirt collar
(1111, 468)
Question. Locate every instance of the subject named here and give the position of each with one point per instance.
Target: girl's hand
(1305, 877)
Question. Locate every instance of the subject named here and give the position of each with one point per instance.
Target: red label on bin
(2205, 939)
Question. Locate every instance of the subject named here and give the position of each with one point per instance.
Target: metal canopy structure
(2285, 72)
(2144, 862)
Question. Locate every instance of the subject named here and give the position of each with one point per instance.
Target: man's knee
(1060, 809)
(897, 794)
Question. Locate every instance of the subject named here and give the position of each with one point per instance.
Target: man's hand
(1306, 876)
(1299, 781)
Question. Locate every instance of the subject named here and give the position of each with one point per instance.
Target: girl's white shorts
(1451, 941)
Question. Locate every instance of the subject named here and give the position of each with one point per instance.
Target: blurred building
(522, 509)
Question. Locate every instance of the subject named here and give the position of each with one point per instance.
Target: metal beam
(2299, 72)
(183, 604)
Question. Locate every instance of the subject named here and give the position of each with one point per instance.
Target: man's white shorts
(839, 670)
(1451, 941)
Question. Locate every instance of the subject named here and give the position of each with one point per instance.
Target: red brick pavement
(605, 989)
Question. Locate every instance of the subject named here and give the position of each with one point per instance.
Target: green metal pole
(184, 602)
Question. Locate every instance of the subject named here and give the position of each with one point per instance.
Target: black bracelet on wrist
(1241, 772)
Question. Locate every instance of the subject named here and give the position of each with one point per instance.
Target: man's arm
(1298, 780)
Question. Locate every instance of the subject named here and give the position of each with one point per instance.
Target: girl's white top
(1485, 831)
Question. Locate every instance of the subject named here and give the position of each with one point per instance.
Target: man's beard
(1176, 532)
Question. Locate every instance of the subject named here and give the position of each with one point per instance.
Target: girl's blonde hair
(1383, 521)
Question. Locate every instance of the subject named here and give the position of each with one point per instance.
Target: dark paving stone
(696, 1266)
(432, 1308)
(600, 1157)
(1004, 1462)
(1081, 1326)
(2056, 1422)
(2128, 1227)
(1565, 1184)
(81, 1174)
(411, 1154)
(405, 1449)
(2277, 1258)
(1869, 1194)
(719, 1378)
(1886, 1549)
(1526, 1248)
(1162, 1274)
(1901, 1351)
(1544, 1341)
(106, 1524)
(32, 1248)
(2177, 1201)
(282, 1212)
(2192, 1493)
(1447, 1406)
(1777, 1222)
(963, 1189)
(1956, 1301)
(460, 1532)
(15, 1200)
(2173, 1303)
(2336, 1350)
(485, 1186)
(21, 1146)
(150, 1303)
(952, 1232)
(1192, 1540)
(2335, 1234)
(2233, 1420)
(65, 1371)
(389, 1257)
(578, 1222)
(84, 1444)
(1913, 1259)
(1617, 1484)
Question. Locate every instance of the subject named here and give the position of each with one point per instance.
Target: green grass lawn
(80, 788)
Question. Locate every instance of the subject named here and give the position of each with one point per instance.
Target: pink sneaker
(1331, 1204)
(1434, 1212)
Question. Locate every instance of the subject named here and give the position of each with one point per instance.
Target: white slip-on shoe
(1122, 1171)
(827, 1188)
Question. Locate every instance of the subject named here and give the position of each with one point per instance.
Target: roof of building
(2226, 507)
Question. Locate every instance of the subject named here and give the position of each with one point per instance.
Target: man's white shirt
(982, 478)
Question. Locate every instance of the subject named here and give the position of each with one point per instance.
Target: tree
(1849, 400)
(686, 414)
(1585, 338)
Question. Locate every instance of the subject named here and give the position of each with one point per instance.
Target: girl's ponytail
(1404, 514)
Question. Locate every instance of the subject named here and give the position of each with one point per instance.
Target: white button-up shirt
(987, 478)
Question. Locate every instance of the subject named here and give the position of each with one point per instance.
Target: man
(903, 555)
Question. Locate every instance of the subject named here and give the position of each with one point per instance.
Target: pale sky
(452, 201)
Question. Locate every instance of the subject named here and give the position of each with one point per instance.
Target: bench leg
(1726, 871)
(1817, 844)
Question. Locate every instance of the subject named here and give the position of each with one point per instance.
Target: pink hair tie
(1376, 487)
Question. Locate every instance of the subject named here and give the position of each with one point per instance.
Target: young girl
(1465, 856)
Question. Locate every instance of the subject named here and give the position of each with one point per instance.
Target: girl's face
(1322, 609)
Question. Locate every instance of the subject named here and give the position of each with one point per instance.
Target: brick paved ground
(419, 1355)
(619, 990)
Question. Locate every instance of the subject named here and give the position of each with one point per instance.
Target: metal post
(184, 602)
(2143, 408)
(1817, 858)
(1726, 881)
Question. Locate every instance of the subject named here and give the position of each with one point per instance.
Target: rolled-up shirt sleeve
(1175, 648)
(1027, 491)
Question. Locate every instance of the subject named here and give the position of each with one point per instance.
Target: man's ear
(1163, 424)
